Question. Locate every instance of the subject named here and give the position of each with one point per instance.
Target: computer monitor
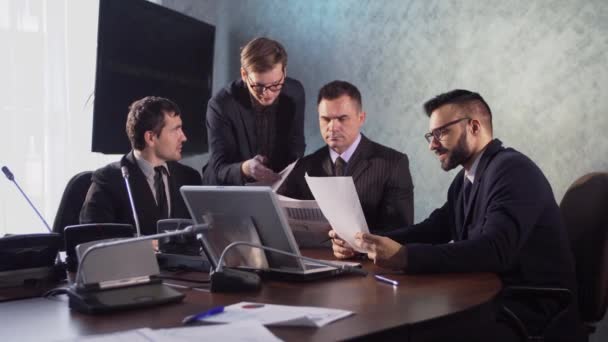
(244, 206)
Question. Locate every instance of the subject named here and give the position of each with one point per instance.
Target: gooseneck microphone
(232, 280)
(125, 175)
(11, 178)
(193, 229)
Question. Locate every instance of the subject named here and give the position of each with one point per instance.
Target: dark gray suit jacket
(108, 202)
(512, 227)
(381, 176)
(232, 137)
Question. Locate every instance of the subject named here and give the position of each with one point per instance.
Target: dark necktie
(339, 167)
(161, 196)
(466, 193)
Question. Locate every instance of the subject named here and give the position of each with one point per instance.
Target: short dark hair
(455, 97)
(148, 114)
(336, 89)
(262, 55)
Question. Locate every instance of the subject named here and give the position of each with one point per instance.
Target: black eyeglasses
(440, 131)
(260, 88)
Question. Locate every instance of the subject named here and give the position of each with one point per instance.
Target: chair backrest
(585, 212)
(71, 202)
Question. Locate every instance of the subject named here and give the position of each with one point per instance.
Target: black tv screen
(145, 49)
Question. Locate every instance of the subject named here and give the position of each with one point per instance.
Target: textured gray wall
(542, 66)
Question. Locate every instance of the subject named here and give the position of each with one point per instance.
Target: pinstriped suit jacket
(381, 176)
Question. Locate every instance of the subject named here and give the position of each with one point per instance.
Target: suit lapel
(459, 211)
(358, 163)
(326, 164)
(248, 118)
(140, 189)
(493, 147)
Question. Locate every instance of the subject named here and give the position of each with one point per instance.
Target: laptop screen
(236, 213)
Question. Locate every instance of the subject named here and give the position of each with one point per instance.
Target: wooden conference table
(422, 307)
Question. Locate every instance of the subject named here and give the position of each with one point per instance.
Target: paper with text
(305, 219)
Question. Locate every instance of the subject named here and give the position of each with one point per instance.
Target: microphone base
(231, 280)
(118, 299)
(169, 261)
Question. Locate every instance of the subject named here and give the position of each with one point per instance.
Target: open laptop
(252, 214)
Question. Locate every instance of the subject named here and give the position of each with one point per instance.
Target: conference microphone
(125, 175)
(11, 178)
(232, 280)
(190, 230)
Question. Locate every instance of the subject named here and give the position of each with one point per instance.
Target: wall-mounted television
(146, 49)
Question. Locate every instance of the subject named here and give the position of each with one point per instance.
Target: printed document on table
(278, 315)
(339, 202)
(240, 331)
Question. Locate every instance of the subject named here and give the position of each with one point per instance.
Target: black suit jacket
(232, 137)
(108, 201)
(512, 227)
(382, 180)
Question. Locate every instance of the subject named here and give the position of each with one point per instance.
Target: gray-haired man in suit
(381, 174)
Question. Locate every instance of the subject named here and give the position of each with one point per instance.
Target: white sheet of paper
(277, 184)
(279, 315)
(339, 202)
(284, 174)
(239, 331)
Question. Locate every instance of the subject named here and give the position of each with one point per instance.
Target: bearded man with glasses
(255, 125)
(500, 216)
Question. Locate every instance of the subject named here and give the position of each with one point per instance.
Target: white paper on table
(239, 331)
(279, 315)
(277, 184)
(339, 202)
(138, 335)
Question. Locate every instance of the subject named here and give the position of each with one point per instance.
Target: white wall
(46, 103)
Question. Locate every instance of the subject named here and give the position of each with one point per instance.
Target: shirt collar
(346, 154)
(146, 167)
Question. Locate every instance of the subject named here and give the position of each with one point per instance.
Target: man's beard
(459, 154)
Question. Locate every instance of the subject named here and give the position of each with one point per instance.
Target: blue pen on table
(204, 314)
(386, 280)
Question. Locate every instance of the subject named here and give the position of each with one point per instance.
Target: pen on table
(386, 280)
(204, 314)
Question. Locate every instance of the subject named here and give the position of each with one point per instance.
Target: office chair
(71, 202)
(585, 212)
(584, 209)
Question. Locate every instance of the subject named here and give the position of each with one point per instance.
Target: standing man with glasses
(381, 175)
(154, 128)
(500, 216)
(255, 125)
